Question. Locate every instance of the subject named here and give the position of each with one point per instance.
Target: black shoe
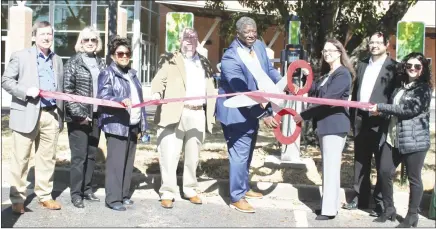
(324, 217)
(350, 206)
(389, 214)
(377, 212)
(91, 197)
(117, 207)
(318, 212)
(411, 220)
(78, 203)
(128, 202)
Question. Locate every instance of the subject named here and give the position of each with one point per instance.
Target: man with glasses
(374, 84)
(34, 119)
(185, 73)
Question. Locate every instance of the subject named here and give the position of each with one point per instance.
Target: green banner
(175, 22)
(410, 38)
(294, 32)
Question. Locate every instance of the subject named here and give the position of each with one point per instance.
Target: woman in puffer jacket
(80, 78)
(407, 136)
(118, 82)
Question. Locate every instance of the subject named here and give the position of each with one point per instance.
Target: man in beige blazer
(34, 119)
(185, 73)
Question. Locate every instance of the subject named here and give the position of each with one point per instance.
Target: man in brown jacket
(184, 73)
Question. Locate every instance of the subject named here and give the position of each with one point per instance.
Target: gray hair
(244, 21)
(40, 24)
(91, 29)
(187, 29)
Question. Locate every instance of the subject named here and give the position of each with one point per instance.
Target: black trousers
(83, 141)
(366, 144)
(414, 162)
(119, 165)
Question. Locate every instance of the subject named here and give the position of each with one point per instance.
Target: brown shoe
(18, 208)
(243, 206)
(166, 203)
(195, 200)
(51, 204)
(253, 195)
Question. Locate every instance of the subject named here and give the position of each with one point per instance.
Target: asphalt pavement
(147, 212)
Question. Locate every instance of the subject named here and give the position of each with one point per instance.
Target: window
(40, 12)
(72, 16)
(65, 42)
(5, 14)
(146, 4)
(3, 57)
(154, 33)
(101, 17)
(145, 21)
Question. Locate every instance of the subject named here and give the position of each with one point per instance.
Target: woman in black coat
(80, 78)
(407, 138)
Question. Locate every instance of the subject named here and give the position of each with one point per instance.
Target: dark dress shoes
(91, 197)
(389, 214)
(324, 217)
(117, 207)
(318, 212)
(128, 202)
(78, 203)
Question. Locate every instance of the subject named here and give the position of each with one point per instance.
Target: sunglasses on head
(86, 40)
(416, 66)
(122, 54)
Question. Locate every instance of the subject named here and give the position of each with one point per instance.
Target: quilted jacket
(78, 81)
(413, 126)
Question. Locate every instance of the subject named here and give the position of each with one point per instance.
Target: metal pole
(112, 25)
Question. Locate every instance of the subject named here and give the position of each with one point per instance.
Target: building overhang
(198, 8)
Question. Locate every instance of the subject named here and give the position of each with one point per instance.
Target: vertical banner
(410, 38)
(175, 22)
(294, 32)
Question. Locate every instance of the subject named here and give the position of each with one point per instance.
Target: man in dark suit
(374, 84)
(240, 125)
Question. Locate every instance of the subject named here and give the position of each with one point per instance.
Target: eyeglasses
(122, 54)
(86, 40)
(324, 51)
(416, 66)
(376, 43)
(190, 38)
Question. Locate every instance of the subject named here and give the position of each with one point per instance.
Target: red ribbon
(280, 137)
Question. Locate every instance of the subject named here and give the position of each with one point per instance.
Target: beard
(188, 53)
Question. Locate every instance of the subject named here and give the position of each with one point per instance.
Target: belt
(192, 107)
(51, 108)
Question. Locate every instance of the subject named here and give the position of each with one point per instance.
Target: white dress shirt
(195, 80)
(135, 113)
(369, 78)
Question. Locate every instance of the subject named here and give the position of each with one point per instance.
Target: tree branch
(388, 24)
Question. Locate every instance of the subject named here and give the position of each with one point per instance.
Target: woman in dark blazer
(118, 82)
(407, 138)
(80, 78)
(332, 123)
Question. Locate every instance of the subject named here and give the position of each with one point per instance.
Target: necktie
(252, 54)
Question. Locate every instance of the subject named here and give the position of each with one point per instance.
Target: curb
(278, 191)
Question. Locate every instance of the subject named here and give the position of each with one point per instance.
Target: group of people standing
(39, 120)
(394, 130)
